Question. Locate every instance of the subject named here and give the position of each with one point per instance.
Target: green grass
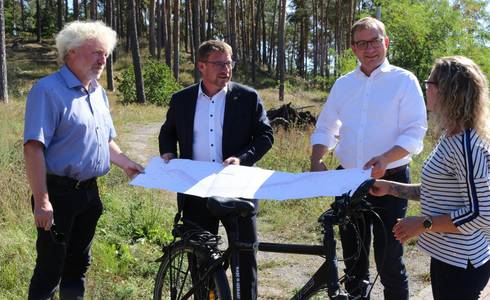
(136, 221)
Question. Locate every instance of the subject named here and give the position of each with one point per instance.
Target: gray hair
(76, 33)
(367, 23)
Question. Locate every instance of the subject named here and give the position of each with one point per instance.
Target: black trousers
(387, 252)
(64, 263)
(453, 283)
(195, 210)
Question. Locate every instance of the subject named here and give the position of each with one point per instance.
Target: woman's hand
(380, 188)
(408, 228)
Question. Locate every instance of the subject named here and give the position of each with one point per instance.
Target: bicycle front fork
(333, 286)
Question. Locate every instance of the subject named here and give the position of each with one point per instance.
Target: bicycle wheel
(174, 280)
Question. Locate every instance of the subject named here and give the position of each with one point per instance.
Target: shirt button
(212, 101)
(214, 160)
(211, 116)
(211, 130)
(212, 145)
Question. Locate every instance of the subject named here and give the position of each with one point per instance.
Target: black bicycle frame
(326, 277)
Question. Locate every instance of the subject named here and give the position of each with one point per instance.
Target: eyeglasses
(375, 43)
(220, 64)
(428, 82)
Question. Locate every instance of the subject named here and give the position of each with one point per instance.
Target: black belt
(396, 170)
(70, 182)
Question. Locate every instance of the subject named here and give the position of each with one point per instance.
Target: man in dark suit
(218, 121)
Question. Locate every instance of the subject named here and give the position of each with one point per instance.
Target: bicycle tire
(173, 279)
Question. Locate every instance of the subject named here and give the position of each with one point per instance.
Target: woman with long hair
(454, 192)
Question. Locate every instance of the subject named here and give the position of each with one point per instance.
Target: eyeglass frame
(428, 82)
(375, 43)
(219, 64)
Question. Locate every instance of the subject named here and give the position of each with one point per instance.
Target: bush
(158, 81)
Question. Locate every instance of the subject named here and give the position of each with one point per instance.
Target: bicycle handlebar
(347, 205)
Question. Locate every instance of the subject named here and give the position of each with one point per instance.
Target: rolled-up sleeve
(412, 118)
(328, 123)
(41, 116)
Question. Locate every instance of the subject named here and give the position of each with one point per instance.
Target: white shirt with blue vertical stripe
(455, 182)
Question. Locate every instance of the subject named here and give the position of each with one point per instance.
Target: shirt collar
(201, 92)
(383, 68)
(72, 81)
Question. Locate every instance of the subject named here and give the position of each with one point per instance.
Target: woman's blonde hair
(462, 95)
(74, 34)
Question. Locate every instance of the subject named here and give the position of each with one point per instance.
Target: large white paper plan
(206, 179)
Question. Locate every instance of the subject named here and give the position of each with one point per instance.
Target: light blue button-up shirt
(74, 125)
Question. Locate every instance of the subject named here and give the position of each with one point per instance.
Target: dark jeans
(387, 253)
(195, 210)
(76, 213)
(453, 283)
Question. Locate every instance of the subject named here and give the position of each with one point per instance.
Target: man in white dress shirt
(375, 118)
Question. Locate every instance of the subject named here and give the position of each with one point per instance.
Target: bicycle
(194, 248)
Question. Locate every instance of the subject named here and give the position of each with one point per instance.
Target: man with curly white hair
(68, 143)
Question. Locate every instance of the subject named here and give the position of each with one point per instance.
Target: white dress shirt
(208, 126)
(366, 116)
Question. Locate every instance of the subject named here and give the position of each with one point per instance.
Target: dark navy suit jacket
(246, 130)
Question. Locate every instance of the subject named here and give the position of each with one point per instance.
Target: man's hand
(317, 153)
(231, 161)
(167, 157)
(43, 213)
(408, 228)
(132, 168)
(378, 165)
(317, 165)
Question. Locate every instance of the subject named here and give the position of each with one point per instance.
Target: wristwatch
(427, 223)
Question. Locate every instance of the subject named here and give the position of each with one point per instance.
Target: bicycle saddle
(223, 206)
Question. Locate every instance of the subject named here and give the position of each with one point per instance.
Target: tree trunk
(244, 45)
(76, 10)
(209, 32)
(159, 30)
(187, 26)
(168, 40)
(272, 38)
(202, 20)
(176, 39)
(110, 77)
(316, 40)
(22, 15)
(233, 27)
(59, 15)
(3, 57)
(85, 9)
(254, 38)
(195, 36)
(66, 11)
(281, 51)
(140, 94)
(93, 10)
(38, 21)
(264, 34)
(152, 29)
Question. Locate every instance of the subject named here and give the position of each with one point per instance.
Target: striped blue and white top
(456, 182)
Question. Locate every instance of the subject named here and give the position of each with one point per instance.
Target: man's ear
(387, 42)
(200, 65)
